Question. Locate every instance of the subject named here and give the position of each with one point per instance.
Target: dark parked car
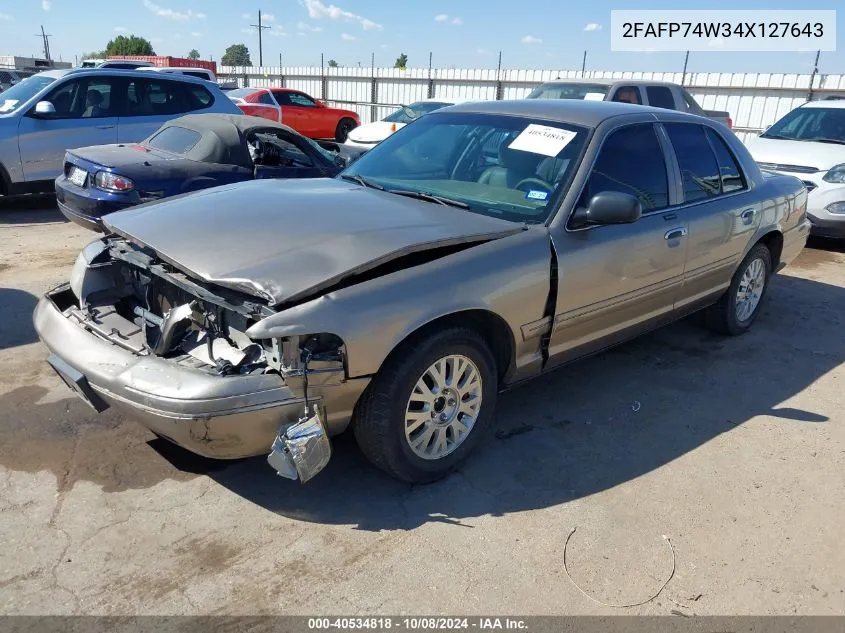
(190, 153)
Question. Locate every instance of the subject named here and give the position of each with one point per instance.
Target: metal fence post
(373, 88)
(813, 76)
(500, 89)
(430, 79)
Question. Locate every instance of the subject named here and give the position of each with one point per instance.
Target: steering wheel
(534, 181)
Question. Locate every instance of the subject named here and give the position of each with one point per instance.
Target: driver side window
(83, 99)
(631, 161)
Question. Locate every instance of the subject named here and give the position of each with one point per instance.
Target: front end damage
(134, 332)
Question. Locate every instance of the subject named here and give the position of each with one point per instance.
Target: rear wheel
(344, 127)
(429, 406)
(736, 310)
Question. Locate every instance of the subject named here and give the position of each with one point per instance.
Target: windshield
(240, 93)
(15, 97)
(514, 168)
(414, 111)
(810, 124)
(596, 92)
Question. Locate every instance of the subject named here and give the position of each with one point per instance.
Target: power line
(260, 28)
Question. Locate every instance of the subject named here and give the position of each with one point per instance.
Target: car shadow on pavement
(16, 308)
(30, 209)
(590, 426)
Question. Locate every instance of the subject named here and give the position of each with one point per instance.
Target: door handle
(104, 127)
(674, 234)
(747, 216)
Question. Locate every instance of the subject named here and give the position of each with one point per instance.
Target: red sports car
(306, 115)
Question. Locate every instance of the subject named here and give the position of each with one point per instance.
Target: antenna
(260, 28)
(45, 38)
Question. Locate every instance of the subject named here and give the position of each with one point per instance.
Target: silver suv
(45, 115)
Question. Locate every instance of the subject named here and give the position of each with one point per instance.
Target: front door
(616, 280)
(86, 114)
(302, 111)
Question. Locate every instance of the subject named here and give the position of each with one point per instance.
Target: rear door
(721, 212)
(616, 280)
(153, 100)
(86, 114)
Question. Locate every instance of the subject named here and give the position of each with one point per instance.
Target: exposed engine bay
(129, 296)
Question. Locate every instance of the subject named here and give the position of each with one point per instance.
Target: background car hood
(285, 240)
(822, 156)
(373, 132)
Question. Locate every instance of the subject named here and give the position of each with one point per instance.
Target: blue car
(193, 152)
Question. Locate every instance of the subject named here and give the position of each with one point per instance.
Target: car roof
(122, 72)
(607, 82)
(825, 103)
(587, 113)
(177, 69)
(223, 136)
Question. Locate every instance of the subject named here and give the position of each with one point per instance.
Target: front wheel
(736, 310)
(429, 406)
(344, 127)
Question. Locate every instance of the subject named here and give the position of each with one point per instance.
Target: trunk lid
(118, 155)
(286, 240)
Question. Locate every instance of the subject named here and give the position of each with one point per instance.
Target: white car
(365, 137)
(809, 142)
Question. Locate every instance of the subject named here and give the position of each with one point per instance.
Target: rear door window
(150, 97)
(631, 161)
(266, 98)
(729, 171)
(699, 169)
(660, 97)
(175, 139)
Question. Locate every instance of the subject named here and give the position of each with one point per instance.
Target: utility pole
(260, 28)
(45, 38)
(584, 63)
(684, 74)
(813, 76)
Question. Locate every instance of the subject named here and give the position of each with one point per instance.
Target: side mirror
(341, 161)
(44, 108)
(319, 103)
(612, 207)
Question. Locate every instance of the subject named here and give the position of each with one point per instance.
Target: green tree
(93, 55)
(332, 63)
(401, 61)
(236, 55)
(194, 54)
(132, 45)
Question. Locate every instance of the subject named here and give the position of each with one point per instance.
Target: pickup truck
(658, 94)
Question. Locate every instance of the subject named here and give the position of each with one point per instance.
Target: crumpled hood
(283, 240)
(822, 156)
(374, 132)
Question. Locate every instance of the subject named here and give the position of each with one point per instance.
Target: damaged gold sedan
(478, 247)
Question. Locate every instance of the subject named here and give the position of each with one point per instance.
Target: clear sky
(460, 33)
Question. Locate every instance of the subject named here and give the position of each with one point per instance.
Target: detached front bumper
(224, 417)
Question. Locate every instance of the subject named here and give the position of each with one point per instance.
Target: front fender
(509, 277)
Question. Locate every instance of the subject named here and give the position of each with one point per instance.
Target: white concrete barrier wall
(754, 100)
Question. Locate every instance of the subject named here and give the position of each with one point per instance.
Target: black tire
(378, 426)
(344, 127)
(721, 317)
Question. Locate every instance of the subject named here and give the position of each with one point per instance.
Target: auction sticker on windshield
(542, 139)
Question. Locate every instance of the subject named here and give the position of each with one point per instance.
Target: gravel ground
(715, 462)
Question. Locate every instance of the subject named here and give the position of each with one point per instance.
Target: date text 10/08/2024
(418, 623)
